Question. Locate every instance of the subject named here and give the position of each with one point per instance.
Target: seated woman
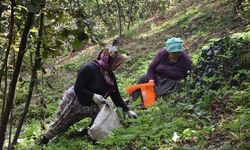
(168, 68)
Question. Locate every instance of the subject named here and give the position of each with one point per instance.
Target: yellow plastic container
(147, 92)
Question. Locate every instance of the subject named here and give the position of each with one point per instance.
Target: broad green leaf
(233, 126)
(137, 102)
(227, 41)
(247, 29)
(121, 51)
(68, 65)
(29, 131)
(187, 132)
(34, 30)
(205, 129)
(18, 17)
(129, 135)
(16, 48)
(49, 16)
(120, 113)
(45, 54)
(77, 44)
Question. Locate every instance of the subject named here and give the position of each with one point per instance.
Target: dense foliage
(222, 66)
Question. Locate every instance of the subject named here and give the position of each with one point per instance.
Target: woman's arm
(156, 61)
(83, 77)
(117, 99)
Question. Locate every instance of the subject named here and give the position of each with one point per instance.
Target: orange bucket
(147, 92)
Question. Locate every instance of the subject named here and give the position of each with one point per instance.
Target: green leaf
(29, 131)
(121, 51)
(120, 113)
(34, 30)
(227, 41)
(77, 44)
(18, 17)
(129, 135)
(205, 129)
(68, 65)
(247, 29)
(187, 132)
(34, 9)
(45, 54)
(233, 126)
(49, 16)
(137, 102)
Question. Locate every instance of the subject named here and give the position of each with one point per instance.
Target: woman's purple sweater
(162, 66)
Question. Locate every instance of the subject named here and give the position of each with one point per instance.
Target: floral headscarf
(108, 60)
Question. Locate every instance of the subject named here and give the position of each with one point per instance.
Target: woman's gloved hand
(109, 104)
(152, 81)
(98, 99)
(131, 114)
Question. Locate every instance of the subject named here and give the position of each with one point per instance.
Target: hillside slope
(172, 123)
(196, 22)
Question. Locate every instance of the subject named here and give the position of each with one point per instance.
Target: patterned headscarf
(108, 60)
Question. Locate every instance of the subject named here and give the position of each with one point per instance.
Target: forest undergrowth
(211, 111)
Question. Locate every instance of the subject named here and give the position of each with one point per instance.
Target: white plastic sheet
(106, 120)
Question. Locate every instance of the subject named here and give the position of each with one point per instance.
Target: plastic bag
(105, 120)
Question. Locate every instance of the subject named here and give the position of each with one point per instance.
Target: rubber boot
(43, 141)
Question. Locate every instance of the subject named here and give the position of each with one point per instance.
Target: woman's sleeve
(83, 77)
(151, 69)
(117, 99)
(189, 62)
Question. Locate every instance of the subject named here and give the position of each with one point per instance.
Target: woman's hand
(152, 81)
(98, 99)
(131, 114)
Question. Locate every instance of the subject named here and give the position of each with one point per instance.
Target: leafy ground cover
(210, 112)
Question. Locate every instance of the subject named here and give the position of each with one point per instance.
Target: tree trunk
(7, 55)
(130, 13)
(32, 83)
(12, 87)
(10, 124)
(88, 8)
(31, 59)
(119, 18)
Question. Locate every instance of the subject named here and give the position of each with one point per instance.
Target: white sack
(105, 120)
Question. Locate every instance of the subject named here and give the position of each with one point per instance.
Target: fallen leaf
(198, 127)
